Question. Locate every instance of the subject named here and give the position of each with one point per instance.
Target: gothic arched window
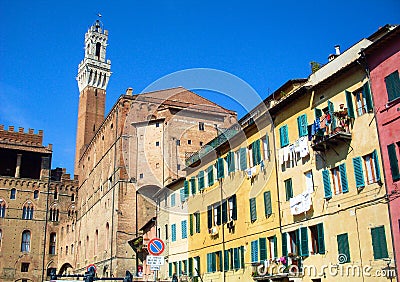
(2, 208)
(26, 241)
(53, 239)
(27, 211)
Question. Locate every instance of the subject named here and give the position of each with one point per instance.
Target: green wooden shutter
(327, 184)
(343, 178)
(197, 271)
(275, 240)
(220, 168)
(184, 229)
(225, 211)
(288, 189)
(231, 162)
(243, 158)
(318, 113)
(226, 260)
(331, 110)
(284, 245)
(392, 82)
(358, 172)
(394, 163)
(350, 106)
(284, 136)
(182, 194)
(256, 152)
(186, 188)
(379, 242)
(208, 263)
(302, 125)
(193, 185)
(173, 232)
(209, 217)
(214, 262)
(368, 98)
(210, 174)
(191, 224)
(304, 241)
(377, 167)
(180, 268)
(172, 200)
(236, 261)
(343, 248)
(197, 217)
(263, 248)
(267, 203)
(254, 251)
(241, 257)
(234, 209)
(190, 267)
(219, 253)
(200, 178)
(170, 269)
(219, 215)
(253, 209)
(321, 239)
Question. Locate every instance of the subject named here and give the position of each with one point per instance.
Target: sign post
(155, 247)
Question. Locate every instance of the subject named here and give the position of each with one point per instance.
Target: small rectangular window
(178, 142)
(288, 189)
(157, 124)
(141, 176)
(201, 126)
(392, 82)
(361, 102)
(24, 267)
(178, 167)
(157, 143)
(189, 142)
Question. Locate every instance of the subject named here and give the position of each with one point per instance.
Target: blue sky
(264, 43)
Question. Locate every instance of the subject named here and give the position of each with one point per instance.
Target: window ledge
(391, 104)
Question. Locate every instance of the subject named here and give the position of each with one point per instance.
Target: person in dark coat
(174, 278)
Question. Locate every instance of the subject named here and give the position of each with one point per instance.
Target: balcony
(331, 136)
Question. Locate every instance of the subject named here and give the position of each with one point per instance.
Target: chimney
(337, 49)
(129, 91)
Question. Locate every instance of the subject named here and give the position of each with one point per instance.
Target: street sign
(155, 260)
(154, 267)
(156, 246)
(91, 267)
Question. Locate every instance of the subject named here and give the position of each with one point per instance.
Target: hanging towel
(286, 153)
(303, 144)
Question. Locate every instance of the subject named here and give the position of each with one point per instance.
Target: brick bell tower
(93, 76)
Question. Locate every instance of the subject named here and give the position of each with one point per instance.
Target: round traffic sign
(156, 246)
(91, 268)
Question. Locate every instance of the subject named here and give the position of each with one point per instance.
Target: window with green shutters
(304, 242)
(172, 200)
(302, 125)
(273, 247)
(253, 210)
(284, 136)
(190, 267)
(170, 271)
(327, 184)
(191, 231)
(186, 189)
(321, 238)
(173, 232)
(358, 172)
(200, 180)
(232, 207)
(256, 152)
(368, 98)
(392, 82)
(254, 251)
(193, 185)
(230, 160)
(267, 203)
(241, 256)
(350, 106)
(343, 248)
(184, 229)
(210, 175)
(236, 258)
(379, 242)
(284, 245)
(226, 260)
(394, 163)
(288, 189)
(243, 158)
(224, 211)
(263, 248)
(211, 262)
(343, 178)
(197, 222)
(220, 168)
(210, 222)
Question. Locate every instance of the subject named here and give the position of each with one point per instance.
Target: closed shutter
(392, 82)
(343, 248)
(230, 159)
(173, 232)
(213, 262)
(377, 167)
(210, 174)
(186, 188)
(193, 185)
(343, 178)
(190, 266)
(170, 269)
(284, 136)
(200, 178)
(263, 248)
(350, 106)
(327, 184)
(241, 257)
(253, 209)
(234, 209)
(243, 158)
(256, 151)
(254, 251)
(220, 168)
(267, 203)
(184, 229)
(182, 194)
(219, 215)
(191, 224)
(379, 242)
(321, 239)
(284, 245)
(209, 217)
(394, 163)
(358, 172)
(226, 260)
(224, 211)
(304, 241)
(208, 262)
(236, 261)
(172, 200)
(331, 110)
(197, 215)
(302, 125)
(179, 268)
(368, 98)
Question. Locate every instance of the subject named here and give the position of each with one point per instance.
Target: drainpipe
(367, 71)
(47, 215)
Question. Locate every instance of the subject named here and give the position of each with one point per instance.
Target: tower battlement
(21, 137)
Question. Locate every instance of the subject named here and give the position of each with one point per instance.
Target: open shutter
(243, 158)
(219, 215)
(331, 110)
(343, 178)
(368, 98)
(283, 134)
(350, 106)
(394, 163)
(302, 125)
(379, 242)
(241, 257)
(327, 184)
(193, 185)
(288, 189)
(275, 240)
(253, 210)
(304, 241)
(236, 261)
(210, 174)
(230, 159)
(200, 179)
(220, 168)
(198, 222)
(190, 267)
(256, 152)
(224, 211)
(209, 217)
(377, 167)
(254, 251)
(234, 209)
(343, 248)
(267, 203)
(392, 82)
(186, 189)
(191, 224)
(284, 246)
(263, 248)
(321, 239)
(170, 269)
(358, 172)
(226, 260)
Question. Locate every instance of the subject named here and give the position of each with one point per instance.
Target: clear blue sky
(265, 43)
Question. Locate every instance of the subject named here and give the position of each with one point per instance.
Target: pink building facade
(383, 63)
